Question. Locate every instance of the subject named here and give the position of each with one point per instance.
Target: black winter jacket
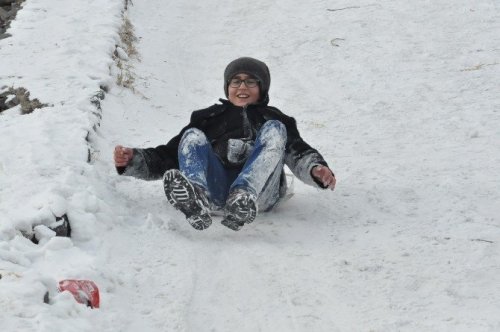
(220, 123)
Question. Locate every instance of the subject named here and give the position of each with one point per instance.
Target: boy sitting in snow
(231, 155)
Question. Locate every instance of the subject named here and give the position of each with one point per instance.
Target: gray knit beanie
(252, 67)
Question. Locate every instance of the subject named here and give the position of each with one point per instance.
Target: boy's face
(243, 95)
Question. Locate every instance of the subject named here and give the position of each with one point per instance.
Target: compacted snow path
(401, 243)
(264, 277)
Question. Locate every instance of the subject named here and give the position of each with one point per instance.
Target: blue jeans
(260, 174)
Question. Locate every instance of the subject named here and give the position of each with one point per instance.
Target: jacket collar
(226, 102)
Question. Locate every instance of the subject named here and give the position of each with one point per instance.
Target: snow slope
(402, 99)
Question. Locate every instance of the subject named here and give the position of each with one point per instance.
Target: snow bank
(60, 51)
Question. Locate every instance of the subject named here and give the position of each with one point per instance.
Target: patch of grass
(480, 66)
(11, 13)
(19, 96)
(123, 53)
(128, 38)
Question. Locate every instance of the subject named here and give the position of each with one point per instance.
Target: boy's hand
(122, 156)
(324, 175)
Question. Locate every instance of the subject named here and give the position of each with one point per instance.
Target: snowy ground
(402, 99)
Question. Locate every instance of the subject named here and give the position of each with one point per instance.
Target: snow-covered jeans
(260, 174)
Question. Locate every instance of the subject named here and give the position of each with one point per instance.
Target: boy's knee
(275, 125)
(193, 136)
(274, 131)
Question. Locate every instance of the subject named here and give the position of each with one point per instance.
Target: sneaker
(240, 209)
(187, 198)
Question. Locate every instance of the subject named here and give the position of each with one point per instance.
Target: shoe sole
(232, 223)
(182, 195)
(241, 210)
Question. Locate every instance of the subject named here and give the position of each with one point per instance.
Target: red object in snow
(84, 291)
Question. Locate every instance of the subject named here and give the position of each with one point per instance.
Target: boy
(231, 155)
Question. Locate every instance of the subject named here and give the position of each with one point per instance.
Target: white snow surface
(401, 97)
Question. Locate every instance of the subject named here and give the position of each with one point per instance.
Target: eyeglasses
(249, 82)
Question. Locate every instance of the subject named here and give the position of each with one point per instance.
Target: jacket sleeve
(300, 157)
(152, 163)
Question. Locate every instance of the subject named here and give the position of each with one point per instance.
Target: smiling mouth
(242, 95)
